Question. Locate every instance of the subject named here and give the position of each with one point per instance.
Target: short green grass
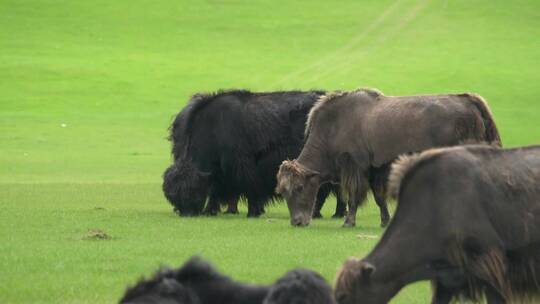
(88, 89)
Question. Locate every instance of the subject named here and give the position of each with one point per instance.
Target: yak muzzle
(300, 221)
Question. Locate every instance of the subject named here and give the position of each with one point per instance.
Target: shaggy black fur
(300, 286)
(197, 282)
(185, 187)
(229, 144)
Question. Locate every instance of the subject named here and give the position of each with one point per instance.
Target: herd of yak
(467, 216)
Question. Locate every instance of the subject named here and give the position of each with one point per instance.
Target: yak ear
(367, 269)
(312, 173)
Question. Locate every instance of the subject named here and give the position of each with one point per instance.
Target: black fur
(185, 187)
(197, 282)
(229, 144)
(300, 286)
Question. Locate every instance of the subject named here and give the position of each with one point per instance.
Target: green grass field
(88, 89)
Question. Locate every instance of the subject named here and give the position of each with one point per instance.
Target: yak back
(408, 124)
(262, 118)
(214, 287)
(506, 181)
(388, 126)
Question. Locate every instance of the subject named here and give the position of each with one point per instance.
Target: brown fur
(405, 164)
(348, 274)
(322, 100)
(353, 186)
(375, 93)
(492, 133)
(490, 267)
(399, 168)
(287, 169)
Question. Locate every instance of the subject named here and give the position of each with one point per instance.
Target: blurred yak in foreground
(467, 218)
(197, 282)
(230, 144)
(352, 134)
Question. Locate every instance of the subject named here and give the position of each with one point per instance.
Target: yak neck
(313, 158)
(329, 135)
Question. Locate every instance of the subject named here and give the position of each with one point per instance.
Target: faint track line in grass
(346, 65)
(350, 45)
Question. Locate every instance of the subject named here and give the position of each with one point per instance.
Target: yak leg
(441, 294)
(354, 200)
(255, 207)
(383, 207)
(232, 206)
(350, 219)
(212, 207)
(324, 190)
(341, 206)
(377, 181)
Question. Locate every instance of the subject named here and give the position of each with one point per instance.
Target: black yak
(229, 144)
(197, 282)
(351, 135)
(467, 218)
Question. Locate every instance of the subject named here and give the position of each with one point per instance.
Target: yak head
(300, 286)
(186, 187)
(355, 283)
(299, 186)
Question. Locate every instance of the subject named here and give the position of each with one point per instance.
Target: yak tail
(492, 133)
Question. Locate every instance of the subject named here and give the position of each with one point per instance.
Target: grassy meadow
(88, 89)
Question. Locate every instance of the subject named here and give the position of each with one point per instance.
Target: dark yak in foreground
(353, 135)
(230, 144)
(467, 218)
(197, 282)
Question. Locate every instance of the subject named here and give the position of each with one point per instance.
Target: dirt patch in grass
(367, 236)
(96, 234)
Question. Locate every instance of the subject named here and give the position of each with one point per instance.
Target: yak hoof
(231, 212)
(317, 215)
(253, 215)
(338, 215)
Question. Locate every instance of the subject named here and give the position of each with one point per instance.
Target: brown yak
(467, 218)
(352, 135)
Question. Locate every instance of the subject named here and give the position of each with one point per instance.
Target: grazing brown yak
(467, 218)
(351, 136)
